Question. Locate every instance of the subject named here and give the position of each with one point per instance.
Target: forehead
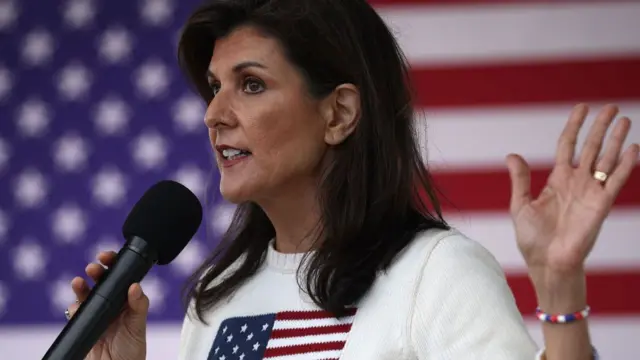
(244, 44)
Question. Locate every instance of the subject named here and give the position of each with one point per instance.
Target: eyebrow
(241, 66)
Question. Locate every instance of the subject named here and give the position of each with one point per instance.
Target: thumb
(520, 182)
(138, 305)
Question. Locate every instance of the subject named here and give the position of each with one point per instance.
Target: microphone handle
(105, 302)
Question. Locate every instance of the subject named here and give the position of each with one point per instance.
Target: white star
(188, 114)
(74, 81)
(115, 45)
(4, 225)
(37, 47)
(79, 13)
(8, 14)
(33, 118)
(192, 177)
(30, 188)
(150, 150)
(229, 338)
(156, 291)
(222, 216)
(152, 79)
(69, 223)
(5, 154)
(4, 298)
(236, 348)
(256, 346)
(61, 294)
(243, 328)
(112, 116)
(156, 12)
(241, 356)
(190, 257)
(29, 260)
(224, 329)
(104, 243)
(6, 82)
(109, 187)
(265, 327)
(250, 336)
(222, 357)
(70, 152)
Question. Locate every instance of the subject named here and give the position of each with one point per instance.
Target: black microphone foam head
(167, 216)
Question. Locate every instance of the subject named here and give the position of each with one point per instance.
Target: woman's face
(267, 132)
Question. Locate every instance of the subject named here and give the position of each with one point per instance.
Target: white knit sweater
(444, 298)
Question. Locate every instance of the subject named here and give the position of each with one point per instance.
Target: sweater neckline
(284, 262)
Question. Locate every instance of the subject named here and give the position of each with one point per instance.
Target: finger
(139, 308)
(107, 258)
(593, 143)
(94, 271)
(614, 145)
(80, 288)
(569, 136)
(520, 176)
(72, 309)
(619, 177)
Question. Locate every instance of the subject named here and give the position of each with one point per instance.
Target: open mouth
(232, 154)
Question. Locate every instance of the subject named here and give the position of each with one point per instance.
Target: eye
(253, 86)
(215, 87)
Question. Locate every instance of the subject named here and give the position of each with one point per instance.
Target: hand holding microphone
(126, 338)
(109, 321)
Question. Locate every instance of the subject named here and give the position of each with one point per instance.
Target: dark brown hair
(370, 193)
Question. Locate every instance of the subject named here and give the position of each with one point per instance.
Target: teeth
(231, 154)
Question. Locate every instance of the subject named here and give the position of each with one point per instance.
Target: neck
(295, 218)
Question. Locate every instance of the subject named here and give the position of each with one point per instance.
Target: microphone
(156, 230)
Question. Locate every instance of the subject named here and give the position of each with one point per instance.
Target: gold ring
(600, 176)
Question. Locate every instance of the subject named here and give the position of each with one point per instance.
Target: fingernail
(137, 292)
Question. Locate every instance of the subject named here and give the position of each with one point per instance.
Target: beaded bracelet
(564, 318)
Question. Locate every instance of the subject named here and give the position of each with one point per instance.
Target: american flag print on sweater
(290, 335)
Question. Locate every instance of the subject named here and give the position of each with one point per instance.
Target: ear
(341, 113)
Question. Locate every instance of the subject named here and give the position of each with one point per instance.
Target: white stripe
(479, 137)
(501, 32)
(617, 245)
(615, 338)
(333, 354)
(300, 324)
(304, 340)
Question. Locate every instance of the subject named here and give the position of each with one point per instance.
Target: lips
(231, 155)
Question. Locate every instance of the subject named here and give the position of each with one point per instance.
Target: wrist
(560, 293)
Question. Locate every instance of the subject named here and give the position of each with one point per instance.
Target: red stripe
(500, 84)
(302, 349)
(319, 330)
(486, 190)
(308, 315)
(383, 3)
(615, 293)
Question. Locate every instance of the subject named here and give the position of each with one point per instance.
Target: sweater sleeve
(464, 308)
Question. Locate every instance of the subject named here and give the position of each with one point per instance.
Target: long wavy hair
(372, 194)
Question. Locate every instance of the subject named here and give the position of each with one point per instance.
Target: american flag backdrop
(93, 111)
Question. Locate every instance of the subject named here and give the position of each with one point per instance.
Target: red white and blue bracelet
(563, 318)
(566, 319)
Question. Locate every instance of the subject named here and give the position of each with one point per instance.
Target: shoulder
(462, 302)
(448, 264)
(435, 253)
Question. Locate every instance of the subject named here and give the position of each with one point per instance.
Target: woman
(332, 253)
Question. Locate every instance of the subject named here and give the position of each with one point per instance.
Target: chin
(235, 194)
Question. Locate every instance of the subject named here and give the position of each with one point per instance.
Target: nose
(218, 113)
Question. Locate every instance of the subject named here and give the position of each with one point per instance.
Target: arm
(564, 295)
